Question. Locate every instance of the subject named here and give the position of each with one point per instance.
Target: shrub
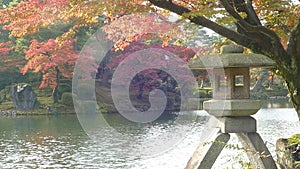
(87, 107)
(86, 92)
(64, 87)
(67, 99)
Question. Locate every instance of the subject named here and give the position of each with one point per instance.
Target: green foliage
(52, 31)
(87, 107)
(102, 107)
(46, 92)
(6, 3)
(5, 94)
(67, 99)
(205, 92)
(6, 105)
(45, 100)
(85, 91)
(295, 139)
(13, 76)
(21, 44)
(65, 85)
(4, 34)
(13, 2)
(268, 93)
(84, 33)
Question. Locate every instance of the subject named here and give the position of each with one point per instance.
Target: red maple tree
(148, 79)
(4, 48)
(6, 60)
(51, 59)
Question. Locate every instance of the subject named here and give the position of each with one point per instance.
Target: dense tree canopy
(269, 27)
(4, 49)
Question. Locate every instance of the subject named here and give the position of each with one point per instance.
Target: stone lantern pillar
(231, 107)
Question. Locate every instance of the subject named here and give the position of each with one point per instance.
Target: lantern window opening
(239, 80)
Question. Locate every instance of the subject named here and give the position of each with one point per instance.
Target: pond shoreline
(266, 104)
(14, 113)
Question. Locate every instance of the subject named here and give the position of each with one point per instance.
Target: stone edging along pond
(8, 113)
(14, 113)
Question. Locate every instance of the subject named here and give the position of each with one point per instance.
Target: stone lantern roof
(231, 80)
(231, 56)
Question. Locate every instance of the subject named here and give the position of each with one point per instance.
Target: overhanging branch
(254, 36)
(200, 20)
(248, 26)
(251, 13)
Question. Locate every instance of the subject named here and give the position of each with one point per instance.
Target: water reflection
(60, 142)
(276, 103)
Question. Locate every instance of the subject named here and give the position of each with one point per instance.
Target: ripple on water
(72, 148)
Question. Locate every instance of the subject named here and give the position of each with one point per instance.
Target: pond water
(60, 142)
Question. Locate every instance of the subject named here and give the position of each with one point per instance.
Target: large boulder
(288, 153)
(23, 97)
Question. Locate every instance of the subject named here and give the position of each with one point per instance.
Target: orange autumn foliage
(49, 58)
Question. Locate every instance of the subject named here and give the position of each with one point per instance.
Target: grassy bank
(44, 106)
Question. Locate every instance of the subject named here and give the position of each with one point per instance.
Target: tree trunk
(293, 76)
(55, 90)
(55, 94)
(293, 87)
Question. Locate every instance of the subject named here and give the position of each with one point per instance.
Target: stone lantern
(231, 107)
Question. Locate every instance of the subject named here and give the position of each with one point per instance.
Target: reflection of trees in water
(123, 125)
(276, 103)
